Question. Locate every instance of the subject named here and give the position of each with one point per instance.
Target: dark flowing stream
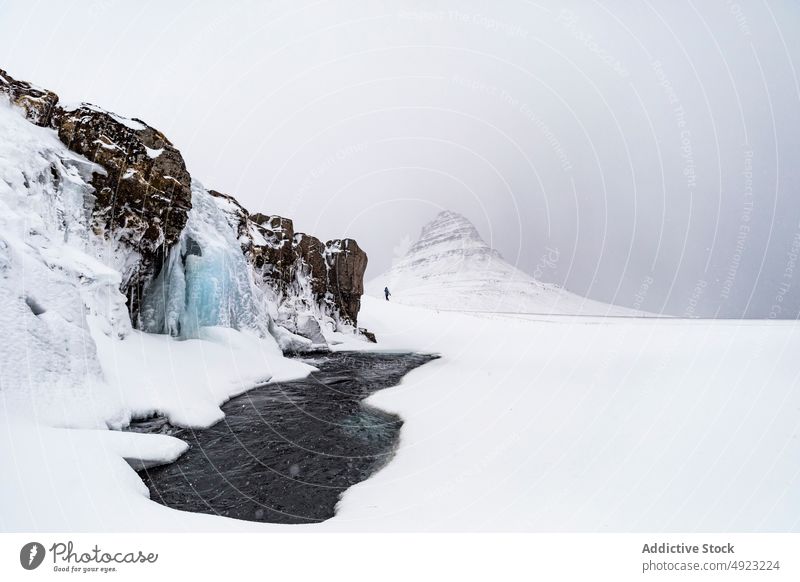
(285, 452)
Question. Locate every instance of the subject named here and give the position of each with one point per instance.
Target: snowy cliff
(451, 267)
(143, 204)
(51, 278)
(128, 289)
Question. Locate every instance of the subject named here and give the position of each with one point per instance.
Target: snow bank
(188, 380)
(49, 281)
(586, 425)
(78, 480)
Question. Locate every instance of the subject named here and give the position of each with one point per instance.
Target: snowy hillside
(451, 267)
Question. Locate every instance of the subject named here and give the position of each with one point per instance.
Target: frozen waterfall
(205, 279)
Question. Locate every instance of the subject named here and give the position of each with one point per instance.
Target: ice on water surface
(205, 280)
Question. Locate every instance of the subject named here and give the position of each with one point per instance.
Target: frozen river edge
(285, 452)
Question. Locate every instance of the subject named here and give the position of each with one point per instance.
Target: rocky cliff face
(144, 194)
(143, 198)
(142, 201)
(301, 273)
(346, 264)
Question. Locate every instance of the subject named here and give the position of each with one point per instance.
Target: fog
(652, 145)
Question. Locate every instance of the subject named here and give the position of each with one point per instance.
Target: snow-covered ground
(566, 424)
(583, 425)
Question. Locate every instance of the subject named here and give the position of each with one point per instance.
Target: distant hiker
(386, 292)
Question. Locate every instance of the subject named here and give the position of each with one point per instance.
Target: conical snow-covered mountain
(451, 267)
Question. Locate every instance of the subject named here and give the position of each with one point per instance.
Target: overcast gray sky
(653, 144)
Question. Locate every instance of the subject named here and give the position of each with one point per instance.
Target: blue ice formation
(205, 279)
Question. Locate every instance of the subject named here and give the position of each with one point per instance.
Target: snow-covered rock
(141, 206)
(142, 190)
(69, 355)
(142, 200)
(302, 278)
(51, 278)
(451, 267)
(37, 103)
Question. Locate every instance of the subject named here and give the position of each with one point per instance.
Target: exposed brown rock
(273, 259)
(299, 266)
(310, 252)
(145, 195)
(39, 104)
(147, 184)
(346, 265)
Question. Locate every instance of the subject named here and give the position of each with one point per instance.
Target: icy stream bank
(285, 452)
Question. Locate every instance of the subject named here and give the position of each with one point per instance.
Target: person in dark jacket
(386, 292)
